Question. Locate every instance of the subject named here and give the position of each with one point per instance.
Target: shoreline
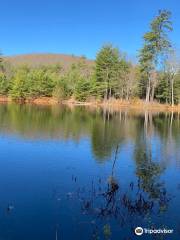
(110, 104)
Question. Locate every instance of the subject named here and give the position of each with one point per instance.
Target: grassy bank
(109, 104)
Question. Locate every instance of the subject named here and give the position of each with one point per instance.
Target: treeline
(25, 82)
(155, 78)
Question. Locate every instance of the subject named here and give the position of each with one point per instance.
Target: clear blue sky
(79, 27)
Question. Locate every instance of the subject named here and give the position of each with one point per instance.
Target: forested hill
(45, 59)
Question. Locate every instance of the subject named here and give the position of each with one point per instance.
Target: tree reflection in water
(107, 199)
(145, 197)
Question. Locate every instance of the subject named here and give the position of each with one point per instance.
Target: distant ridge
(38, 59)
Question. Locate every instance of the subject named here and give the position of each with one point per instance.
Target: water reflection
(152, 141)
(143, 198)
(105, 129)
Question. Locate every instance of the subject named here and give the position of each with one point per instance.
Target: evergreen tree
(3, 84)
(61, 91)
(18, 86)
(156, 44)
(82, 89)
(1, 62)
(163, 88)
(107, 62)
(122, 89)
(40, 83)
(177, 89)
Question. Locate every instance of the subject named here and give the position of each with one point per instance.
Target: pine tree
(156, 44)
(107, 62)
(163, 88)
(19, 84)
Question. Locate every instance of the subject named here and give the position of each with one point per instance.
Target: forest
(154, 78)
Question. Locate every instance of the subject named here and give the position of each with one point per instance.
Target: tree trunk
(127, 93)
(172, 91)
(152, 94)
(110, 92)
(107, 86)
(122, 93)
(148, 90)
(106, 92)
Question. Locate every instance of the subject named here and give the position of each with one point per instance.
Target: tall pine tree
(156, 44)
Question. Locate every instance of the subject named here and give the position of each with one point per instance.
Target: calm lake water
(87, 174)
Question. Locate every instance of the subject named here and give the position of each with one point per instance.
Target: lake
(85, 173)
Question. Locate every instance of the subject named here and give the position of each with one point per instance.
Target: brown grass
(4, 99)
(139, 104)
(111, 104)
(43, 101)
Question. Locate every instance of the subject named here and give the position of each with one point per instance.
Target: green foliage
(115, 76)
(107, 63)
(157, 37)
(40, 83)
(72, 77)
(4, 77)
(19, 84)
(61, 91)
(121, 86)
(31, 83)
(163, 89)
(3, 84)
(82, 89)
(1, 62)
(156, 44)
(177, 89)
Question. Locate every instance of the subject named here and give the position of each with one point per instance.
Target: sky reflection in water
(87, 174)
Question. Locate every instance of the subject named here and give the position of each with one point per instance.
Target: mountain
(46, 59)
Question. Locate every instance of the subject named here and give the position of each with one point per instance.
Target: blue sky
(79, 27)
